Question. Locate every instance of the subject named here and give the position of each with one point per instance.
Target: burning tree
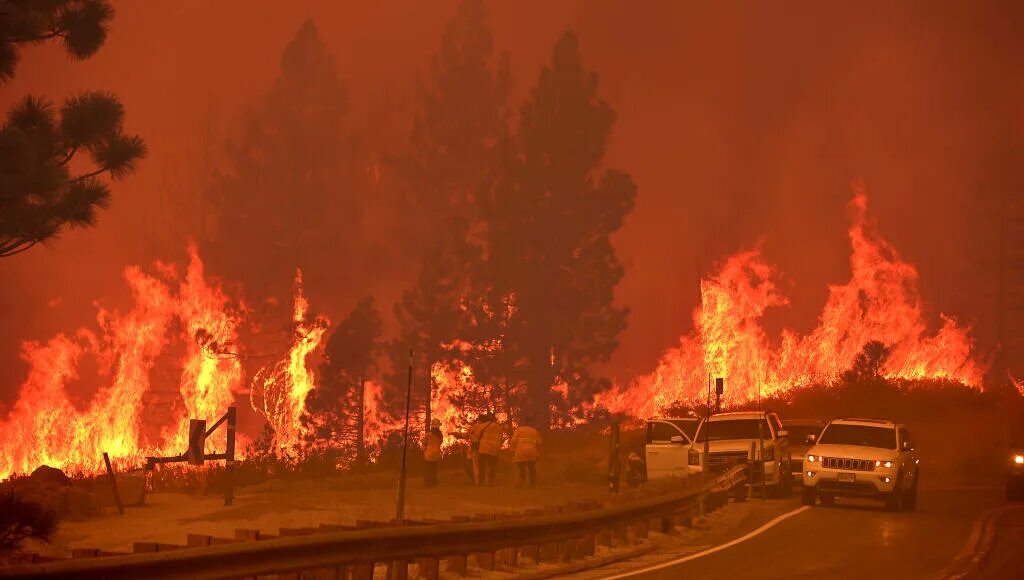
(549, 221)
(336, 409)
(454, 150)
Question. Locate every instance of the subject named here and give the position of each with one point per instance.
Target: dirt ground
(169, 517)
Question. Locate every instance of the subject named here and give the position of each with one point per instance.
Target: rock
(51, 475)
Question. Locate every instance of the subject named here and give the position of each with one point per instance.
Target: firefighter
(488, 439)
(526, 447)
(432, 453)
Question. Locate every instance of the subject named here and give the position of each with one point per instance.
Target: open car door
(666, 450)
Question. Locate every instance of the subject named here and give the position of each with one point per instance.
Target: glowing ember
(279, 391)
(880, 303)
(44, 427)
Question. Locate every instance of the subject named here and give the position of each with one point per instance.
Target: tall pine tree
(460, 128)
(291, 196)
(549, 223)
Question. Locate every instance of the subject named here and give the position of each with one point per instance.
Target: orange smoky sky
(741, 122)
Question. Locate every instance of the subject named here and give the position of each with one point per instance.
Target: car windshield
(798, 433)
(862, 435)
(733, 429)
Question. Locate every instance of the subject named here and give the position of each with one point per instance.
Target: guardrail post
(398, 570)
(361, 571)
(622, 535)
(456, 564)
(428, 568)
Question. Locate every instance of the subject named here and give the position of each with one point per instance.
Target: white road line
(710, 551)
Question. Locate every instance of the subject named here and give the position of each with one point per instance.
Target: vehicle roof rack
(864, 419)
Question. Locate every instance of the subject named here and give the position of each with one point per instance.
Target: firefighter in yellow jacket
(432, 453)
(486, 437)
(526, 447)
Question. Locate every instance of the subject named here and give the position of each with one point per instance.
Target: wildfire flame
(45, 427)
(279, 391)
(880, 302)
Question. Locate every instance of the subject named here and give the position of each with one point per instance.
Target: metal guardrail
(339, 554)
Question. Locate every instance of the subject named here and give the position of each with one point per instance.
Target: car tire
(808, 496)
(894, 500)
(910, 501)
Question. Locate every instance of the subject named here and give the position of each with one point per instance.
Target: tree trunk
(361, 425)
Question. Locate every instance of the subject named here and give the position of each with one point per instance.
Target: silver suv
(865, 458)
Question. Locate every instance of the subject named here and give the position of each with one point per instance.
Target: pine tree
(292, 193)
(336, 408)
(549, 223)
(460, 128)
(39, 196)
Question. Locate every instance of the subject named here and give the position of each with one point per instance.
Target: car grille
(719, 462)
(848, 464)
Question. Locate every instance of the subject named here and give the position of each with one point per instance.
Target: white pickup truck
(668, 444)
(752, 437)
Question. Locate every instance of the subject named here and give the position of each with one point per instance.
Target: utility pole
(400, 508)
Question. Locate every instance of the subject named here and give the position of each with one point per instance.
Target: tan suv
(865, 458)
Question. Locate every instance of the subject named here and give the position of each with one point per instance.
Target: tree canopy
(40, 195)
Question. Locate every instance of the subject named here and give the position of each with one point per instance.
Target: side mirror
(811, 439)
(783, 433)
(677, 439)
(908, 446)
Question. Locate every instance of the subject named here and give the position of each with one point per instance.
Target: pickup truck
(668, 443)
(753, 437)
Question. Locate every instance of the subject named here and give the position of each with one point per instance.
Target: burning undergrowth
(880, 302)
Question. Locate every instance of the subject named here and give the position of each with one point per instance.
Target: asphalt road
(858, 539)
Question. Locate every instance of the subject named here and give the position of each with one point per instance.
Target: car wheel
(910, 501)
(808, 496)
(894, 501)
(827, 499)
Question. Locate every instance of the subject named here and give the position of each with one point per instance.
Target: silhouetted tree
(21, 520)
(292, 192)
(549, 223)
(336, 406)
(81, 26)
(39, 195)
(460, 128)
(867, 367)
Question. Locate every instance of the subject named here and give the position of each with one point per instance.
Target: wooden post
(614, 469)
(361, 426)
(229, 458)
(113, 484)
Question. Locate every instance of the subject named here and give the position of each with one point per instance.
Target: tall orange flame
(279, 391)
(880, 302)
(45, 427)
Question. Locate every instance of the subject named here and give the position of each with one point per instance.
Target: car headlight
(693, 457)
(885, 464)
(811, 459)
(1018, 459)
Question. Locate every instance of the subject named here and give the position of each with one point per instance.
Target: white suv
(867, 458)
(749, 437)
